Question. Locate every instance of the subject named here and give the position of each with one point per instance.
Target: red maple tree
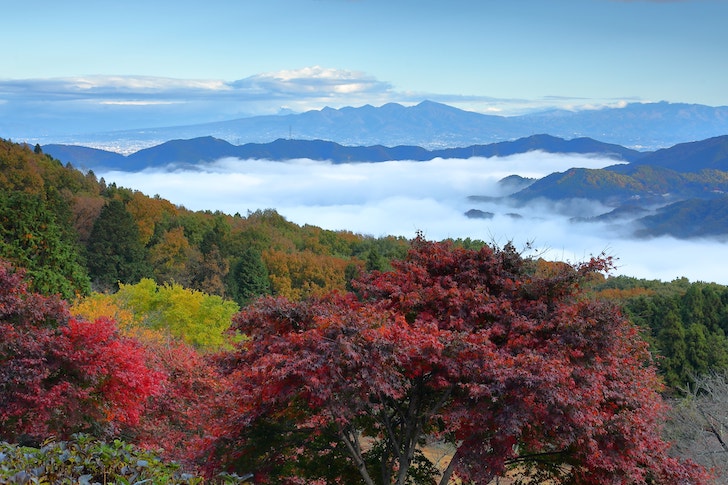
(178, 421)
(60, 375)
(509, 365)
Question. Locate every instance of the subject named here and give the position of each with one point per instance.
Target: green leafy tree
(31, 238)
(714, 312)
(692, 306)
(195, 317)
(685, 322)
(705, 352)
(671, 339)
(375, 261)
(115, 253)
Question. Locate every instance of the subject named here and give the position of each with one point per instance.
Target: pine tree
(250, 277)
(115, 253)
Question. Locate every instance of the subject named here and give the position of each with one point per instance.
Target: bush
(86, 460)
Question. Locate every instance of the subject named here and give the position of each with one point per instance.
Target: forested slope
(74, 233)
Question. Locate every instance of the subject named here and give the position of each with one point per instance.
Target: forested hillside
(74, 233)
(685, 322)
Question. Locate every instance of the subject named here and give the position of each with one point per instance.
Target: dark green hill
(686, 184)
(545, 143)
(584, 183)
(198, 150)
(688, 170)
(208, 149)
(82, 156)
(710, 154)
(646, 183)
(688, 219)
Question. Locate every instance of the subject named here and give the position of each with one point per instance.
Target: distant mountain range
(642, 126)
(208, 149)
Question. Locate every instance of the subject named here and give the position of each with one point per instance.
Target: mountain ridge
(208, 149)
(433, 125)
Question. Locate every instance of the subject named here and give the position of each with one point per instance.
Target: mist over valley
(403, 197)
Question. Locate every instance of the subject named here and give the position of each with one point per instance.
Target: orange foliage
(171, 256)
(85, 211)
(148, 212)
(102, 306)
(297, 275)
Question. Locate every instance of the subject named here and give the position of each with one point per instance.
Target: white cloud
(401, 198)
(138, 103)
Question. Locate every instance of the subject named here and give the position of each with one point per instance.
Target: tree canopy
(115, 252)
(32, 238)
(191, 316)
(61, 375)
(479, 349)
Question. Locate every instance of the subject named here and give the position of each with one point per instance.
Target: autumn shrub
(61, 375)
(85, 460)
(179, 422)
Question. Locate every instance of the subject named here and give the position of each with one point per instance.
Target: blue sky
(157, 61)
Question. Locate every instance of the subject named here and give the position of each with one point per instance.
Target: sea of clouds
(404, 197)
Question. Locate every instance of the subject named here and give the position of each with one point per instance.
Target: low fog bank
(401, 198)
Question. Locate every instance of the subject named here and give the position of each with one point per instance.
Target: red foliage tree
(59, 375)
(179, 420)
(511, 366)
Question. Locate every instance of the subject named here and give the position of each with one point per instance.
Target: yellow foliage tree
(150, 311)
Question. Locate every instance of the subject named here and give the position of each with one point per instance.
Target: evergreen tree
(713, 310)
(375, 261)
(692, 305)
(250, 277)
(30, 237)
(698, 352)
(673, 347)
(115, 253)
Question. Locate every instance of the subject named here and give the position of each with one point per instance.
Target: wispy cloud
(400, 198)
(314, 81)
(91, 87)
